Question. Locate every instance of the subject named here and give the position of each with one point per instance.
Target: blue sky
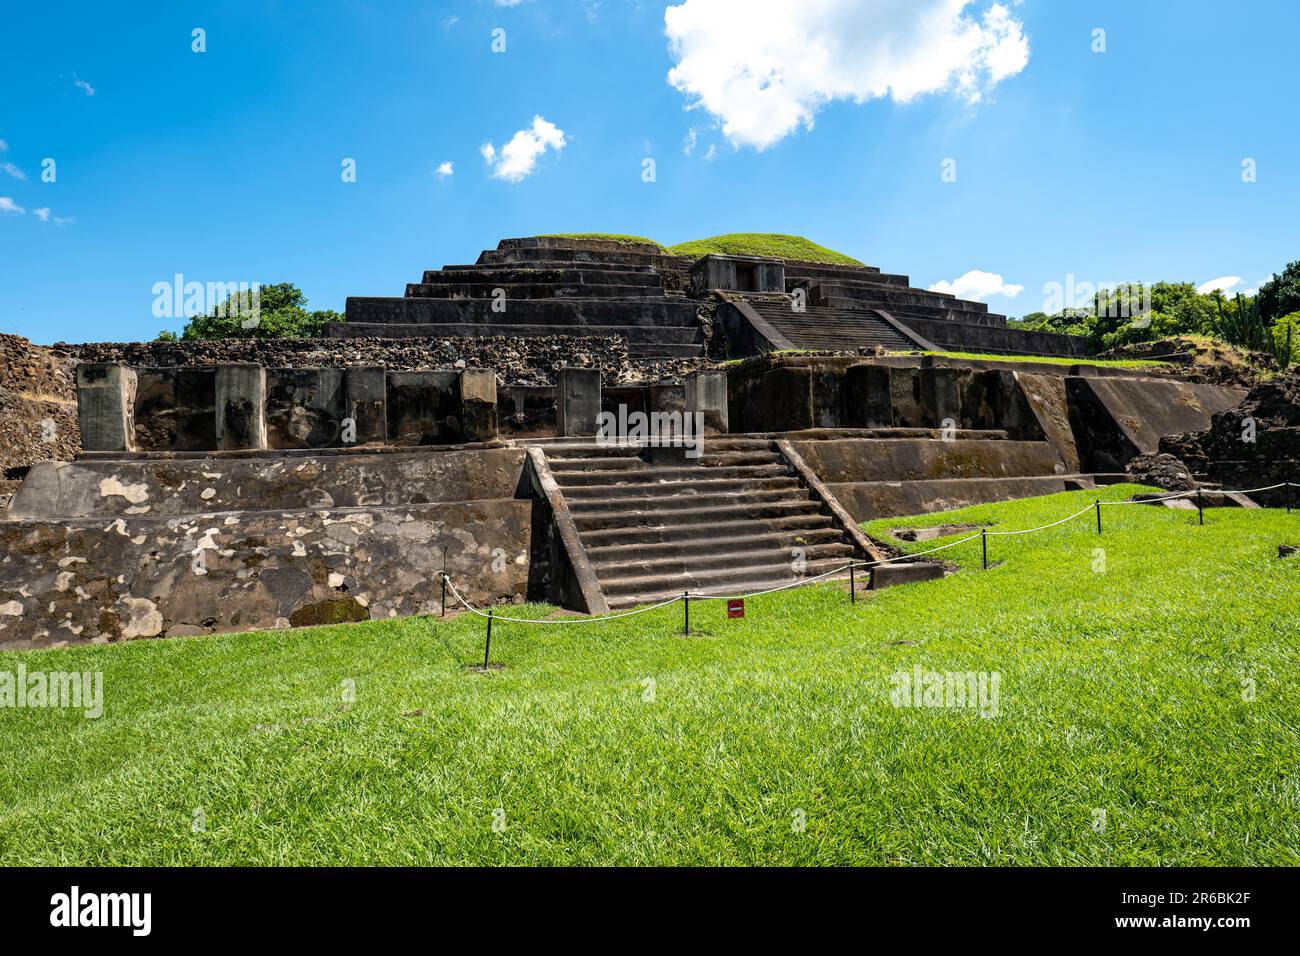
(226, 165)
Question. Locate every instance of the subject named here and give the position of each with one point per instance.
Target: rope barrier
(1208, 491)
(689, 595)
(564, 620)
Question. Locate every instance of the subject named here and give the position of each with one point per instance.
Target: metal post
(1200, 505)
(984, 543)
(444, 581)
(1289, 483)
(853, 585)
(487, 648)
(686, 598)
(1099, 516)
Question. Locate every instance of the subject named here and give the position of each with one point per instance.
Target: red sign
(735, 607)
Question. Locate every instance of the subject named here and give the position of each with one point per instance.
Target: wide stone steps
(818, 327)
(672, 502)
(624, 592)
(745, 538)
(637, 311)
(681, 513)
(944, 313)
(553, 265)
(636, 487)
(573, 480)
(632, 463)
(636, 566)
(529, 290)
(712, 531)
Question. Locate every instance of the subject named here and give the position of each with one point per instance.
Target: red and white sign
(735, 607)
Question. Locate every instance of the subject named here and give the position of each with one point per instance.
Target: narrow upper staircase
(654, 524)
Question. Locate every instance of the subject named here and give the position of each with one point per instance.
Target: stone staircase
(824, 327)
(533, 288)
(654, 524)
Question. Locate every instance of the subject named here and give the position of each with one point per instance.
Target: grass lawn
(763, 244)
(1121, 690)
(1051, 360)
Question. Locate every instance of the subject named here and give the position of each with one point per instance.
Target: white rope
(1046, 526)
(564, 620)
(783, 587)
(1205, 491)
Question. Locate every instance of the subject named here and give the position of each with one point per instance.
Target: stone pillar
(940, 398)
(478, 404)
(365, 402)
(706, 392)
(106, 406)
(577, 401)
(241, 407)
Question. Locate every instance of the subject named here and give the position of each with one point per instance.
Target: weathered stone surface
(100, 579)
(918, 459)
(868, 500)
(55, 490)
(889, 575)
(1252, 445)
(1114, 419)
(1163, 471)
(241, 406)
(105, 400)
(706, 394)
(577, 401)
(478, 405)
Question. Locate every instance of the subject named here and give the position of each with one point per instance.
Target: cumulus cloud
(43, 214)
(445, 169)
(1221, 284)
(765, 67)
(90, 90)
(518, 158)
(978, 286)
(13, 170)
(8, 205)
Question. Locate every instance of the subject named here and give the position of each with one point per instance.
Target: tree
(281, 312)
(1280, 295)
(1286, 339)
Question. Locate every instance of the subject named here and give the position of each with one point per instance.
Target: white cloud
(64, 220)
(518, 158)
(711, 153)
(765, 67)
(90, 90)
(13, 170)
(978, 286)
(445, 169)
(508, 3)
(688, 144)
(8, 205)
(43, 214)
(1221, 284)
(3, 146)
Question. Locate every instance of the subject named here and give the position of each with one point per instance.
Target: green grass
(763, 244)
(1113, 363)
(604, 237)
(1119, 690)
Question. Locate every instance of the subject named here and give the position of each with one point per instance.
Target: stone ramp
(653, 524)
(818, 326)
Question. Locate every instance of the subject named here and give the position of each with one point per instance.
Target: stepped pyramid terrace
(657, 302)
(466, 424)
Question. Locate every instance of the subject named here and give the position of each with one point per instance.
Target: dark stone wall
(533, 361)
(978, 337)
